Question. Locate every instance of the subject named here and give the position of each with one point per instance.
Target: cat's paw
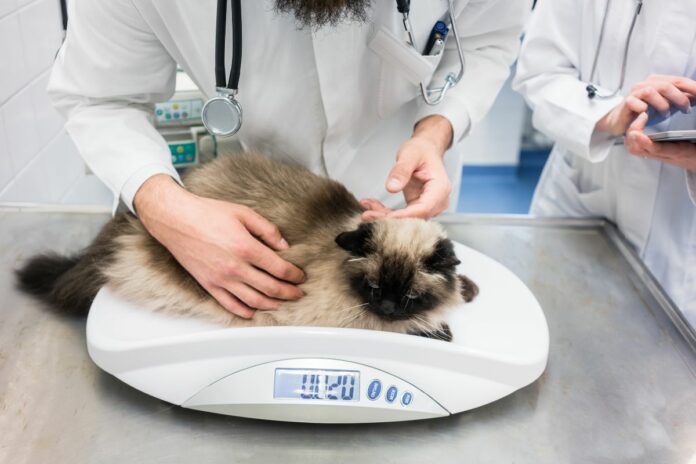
(443, 333)
(468, 288)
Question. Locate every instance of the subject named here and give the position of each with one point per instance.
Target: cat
(395, 275)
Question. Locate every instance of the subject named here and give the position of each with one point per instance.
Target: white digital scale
(330, 375)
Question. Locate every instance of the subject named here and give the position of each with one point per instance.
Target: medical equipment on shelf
(222, 114)
(591, 89)
(330, 375)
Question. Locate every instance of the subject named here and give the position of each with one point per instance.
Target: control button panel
(178, 112)
(383, 391)
(183, 153)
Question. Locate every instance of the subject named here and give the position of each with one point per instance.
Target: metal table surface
(620, 385)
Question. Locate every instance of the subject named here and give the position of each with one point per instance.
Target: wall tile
(62, 166)
(14, 70)
(41, 33)
(89, 190)
(48, 121)
(6, 168)
(29, 186)
(21, 3)
(20, 128)
(7, 7)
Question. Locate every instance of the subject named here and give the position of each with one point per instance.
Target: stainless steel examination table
(620, 385)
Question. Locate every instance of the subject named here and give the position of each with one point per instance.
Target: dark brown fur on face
(394, 275)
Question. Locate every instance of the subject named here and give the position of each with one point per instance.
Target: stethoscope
(222, 114)
(592, 91)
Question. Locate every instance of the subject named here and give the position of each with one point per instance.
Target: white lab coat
(338, 100)
(652, 203)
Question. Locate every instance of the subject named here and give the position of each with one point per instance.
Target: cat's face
(400, 268)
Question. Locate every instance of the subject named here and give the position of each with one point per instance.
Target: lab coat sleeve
(548, 77)
(691, 185)
(489, 32)
(106, 79)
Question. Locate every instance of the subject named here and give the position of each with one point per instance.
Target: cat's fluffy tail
(67, 284)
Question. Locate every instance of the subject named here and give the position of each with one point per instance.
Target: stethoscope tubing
(231, 84)
(591, 88)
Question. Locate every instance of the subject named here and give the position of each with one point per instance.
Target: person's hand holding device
(229, 249)
(658, 95)
(419, 173)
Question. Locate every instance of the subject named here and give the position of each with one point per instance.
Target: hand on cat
(227, 248)
(419, 173)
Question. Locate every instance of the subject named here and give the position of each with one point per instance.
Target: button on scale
(391, 394)
(406, 398)
(374, 390)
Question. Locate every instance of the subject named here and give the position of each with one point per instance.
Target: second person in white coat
(648, 189)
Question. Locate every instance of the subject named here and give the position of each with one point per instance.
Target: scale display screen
(317, 384)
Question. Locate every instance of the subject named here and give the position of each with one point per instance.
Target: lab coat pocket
(402, 70)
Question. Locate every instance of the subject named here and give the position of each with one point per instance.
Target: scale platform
(330, 375)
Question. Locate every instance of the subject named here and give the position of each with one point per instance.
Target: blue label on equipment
(374, 390)
(391, 394)
(407, 399)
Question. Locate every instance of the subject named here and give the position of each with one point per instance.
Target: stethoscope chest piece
(222, 116)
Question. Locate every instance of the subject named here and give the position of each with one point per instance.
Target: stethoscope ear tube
(220, 32)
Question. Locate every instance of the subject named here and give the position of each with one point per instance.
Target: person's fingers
(675, 96)
(673, 151)
(685, 85)
(262, 228)
(372, 204)
(267, 260)
(652, 97)
(230, 303)
(251, 297)
(636, 104)
(368, 216)
(271, 286)
(402, 172)
(433, 201)
(636, 141)
(639, 123)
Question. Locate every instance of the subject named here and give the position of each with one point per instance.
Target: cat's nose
(387, 307)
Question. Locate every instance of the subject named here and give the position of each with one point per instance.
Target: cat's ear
(356, 242)
(443, 257)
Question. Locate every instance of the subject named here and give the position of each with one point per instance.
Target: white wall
(496, 140)
(38, 161)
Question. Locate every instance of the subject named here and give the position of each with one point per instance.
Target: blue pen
(437, 35)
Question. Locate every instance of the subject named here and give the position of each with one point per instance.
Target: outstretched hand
(419, 173)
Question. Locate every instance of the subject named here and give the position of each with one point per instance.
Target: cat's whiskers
(351, 317)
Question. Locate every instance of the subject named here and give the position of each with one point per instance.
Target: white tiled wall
(38, 161)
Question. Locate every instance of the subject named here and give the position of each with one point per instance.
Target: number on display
(326, 387)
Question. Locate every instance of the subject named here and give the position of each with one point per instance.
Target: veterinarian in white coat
(337, 99)
(647, 189)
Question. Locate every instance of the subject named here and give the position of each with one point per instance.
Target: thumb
(639, 123)
(401, 173)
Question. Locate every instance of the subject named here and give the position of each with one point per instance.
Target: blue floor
(501, 189)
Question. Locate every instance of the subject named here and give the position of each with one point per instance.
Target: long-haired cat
(391, 274)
